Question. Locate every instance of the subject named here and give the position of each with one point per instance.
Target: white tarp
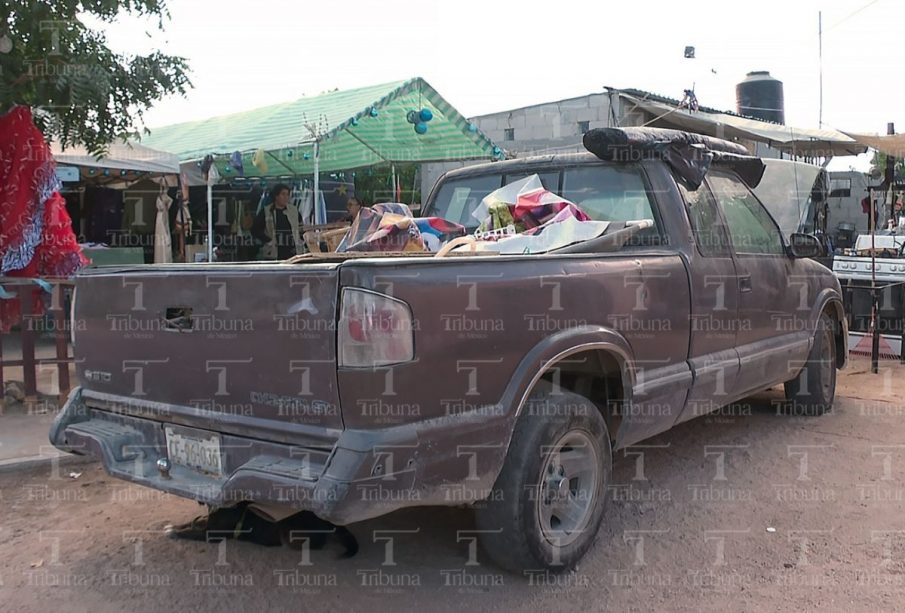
(893, 144)
(798, 141)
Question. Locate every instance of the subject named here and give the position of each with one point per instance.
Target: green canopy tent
(339, 130)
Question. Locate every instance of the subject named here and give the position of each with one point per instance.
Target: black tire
(813, 390)
(556, 428)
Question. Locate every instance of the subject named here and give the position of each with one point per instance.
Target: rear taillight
(374, 330)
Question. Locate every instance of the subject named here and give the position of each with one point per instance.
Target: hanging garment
(163, 242)
(307, 208)
(260, 161)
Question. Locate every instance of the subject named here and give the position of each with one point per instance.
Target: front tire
(553, 485)
(812, 392)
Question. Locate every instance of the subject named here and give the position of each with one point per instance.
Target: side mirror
(804, 245)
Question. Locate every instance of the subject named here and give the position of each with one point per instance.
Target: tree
(81, 91)
(878, 166)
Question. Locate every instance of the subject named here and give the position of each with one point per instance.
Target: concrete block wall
(552, 121)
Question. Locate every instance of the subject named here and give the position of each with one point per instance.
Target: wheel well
(835, 312)
(595, 374)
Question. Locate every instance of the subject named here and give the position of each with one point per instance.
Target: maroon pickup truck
(352, 385)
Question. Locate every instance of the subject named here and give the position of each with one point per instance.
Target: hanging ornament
(497, 152)
(355, 121)
(421, 127)
(122, 173)
(373, 112)
(307, 156)
(91, 171)
(412, 117)
(106, 172)
(425, 114)
(472, 127)
(289, 153)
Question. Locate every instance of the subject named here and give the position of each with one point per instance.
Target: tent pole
(393, 179)
(320, 216)
(210, 222)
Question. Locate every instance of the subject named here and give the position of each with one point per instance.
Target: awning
(354, 128)
(796, 141)
(893, 144)
(129, 157)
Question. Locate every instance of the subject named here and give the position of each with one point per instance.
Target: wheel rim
(568, 488)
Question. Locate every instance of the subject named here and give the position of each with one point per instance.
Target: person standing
(278, 225)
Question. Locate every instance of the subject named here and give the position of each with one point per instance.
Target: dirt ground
(748, 509)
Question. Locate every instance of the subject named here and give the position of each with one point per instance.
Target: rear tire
(813, 390)
(550, 495)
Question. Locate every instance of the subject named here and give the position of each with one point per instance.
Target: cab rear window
(605, 192)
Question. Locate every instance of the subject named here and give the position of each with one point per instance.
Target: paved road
(743, 510)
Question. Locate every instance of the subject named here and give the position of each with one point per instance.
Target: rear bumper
(364, 474)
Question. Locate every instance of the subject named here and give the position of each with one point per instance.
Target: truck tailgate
(248, 349)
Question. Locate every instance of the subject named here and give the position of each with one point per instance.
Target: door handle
(744, 283)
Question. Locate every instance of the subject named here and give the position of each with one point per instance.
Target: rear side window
(612, 193)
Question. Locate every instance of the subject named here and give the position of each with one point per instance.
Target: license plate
(194, 449)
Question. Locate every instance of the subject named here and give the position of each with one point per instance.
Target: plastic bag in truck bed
(436, 231)
(388, 226)
(525, 204)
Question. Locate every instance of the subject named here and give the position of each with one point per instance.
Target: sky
(487, 56)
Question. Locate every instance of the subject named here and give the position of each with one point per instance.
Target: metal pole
(820, 64)
(902, 323)
(320, 215)
(874, 329)
(393, 179)
(210, 222)
(26, 300)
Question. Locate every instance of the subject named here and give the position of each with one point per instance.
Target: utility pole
(889, 180)
(820, 65)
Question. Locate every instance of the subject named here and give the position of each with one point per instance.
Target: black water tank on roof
(760, 95)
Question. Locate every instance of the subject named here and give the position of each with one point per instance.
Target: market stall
(113, 201)
(401, 122)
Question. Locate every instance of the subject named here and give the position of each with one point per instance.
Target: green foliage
(81, 91)
(878, 165)
(375, 184)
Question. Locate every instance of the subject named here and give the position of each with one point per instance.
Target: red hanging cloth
(36, 237)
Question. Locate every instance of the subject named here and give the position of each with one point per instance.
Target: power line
(852, 14)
